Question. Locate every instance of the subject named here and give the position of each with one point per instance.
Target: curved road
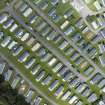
(97, 69)
(47, 45)
(28, 80)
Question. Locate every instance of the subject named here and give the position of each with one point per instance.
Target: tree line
(9, 96)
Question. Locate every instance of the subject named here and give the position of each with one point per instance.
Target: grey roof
(53, 85)
(47, 80)
(96, 78)
(37, 100)
(101, 83)
(92, 97)
(35, 69)
(63, 70)
(17, 49)
(40, 75)
(30, 62)
(7, 75)
(29, 96)
(80, 88)
(59, 90)
(24, 56)
(1, 34)
(79, 60)
(76, 37)
(2, 66)
(88, 70)
(67, 76)
(86, 92)
(74, 56)
(68, 13)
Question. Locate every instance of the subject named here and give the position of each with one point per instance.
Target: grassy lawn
(28, 75)
(60, 10)
(21, 67)
(91, 6)
(8, 54)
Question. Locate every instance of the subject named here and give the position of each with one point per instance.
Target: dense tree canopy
(9, 96)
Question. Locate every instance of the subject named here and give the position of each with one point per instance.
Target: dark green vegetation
(8, 96)
(3, 3)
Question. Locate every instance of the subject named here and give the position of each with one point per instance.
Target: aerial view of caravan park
(52, 52)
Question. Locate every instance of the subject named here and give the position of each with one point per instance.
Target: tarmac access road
(40, 13)
(46, 44)
(28, 80)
